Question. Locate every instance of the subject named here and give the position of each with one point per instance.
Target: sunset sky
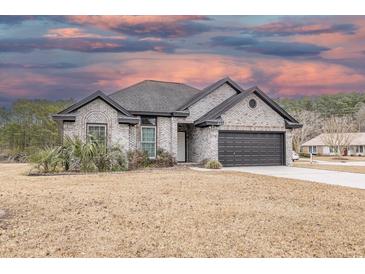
(61, 57)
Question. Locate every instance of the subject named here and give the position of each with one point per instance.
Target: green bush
(75, 155)
(109, 159)
(138, 159)
(213, 164)
(164, 159)
(48, 160)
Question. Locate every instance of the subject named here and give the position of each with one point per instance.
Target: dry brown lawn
(339, 159)
(177, 213)
(354, 169)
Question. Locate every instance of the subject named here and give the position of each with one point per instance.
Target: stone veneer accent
(98, 111)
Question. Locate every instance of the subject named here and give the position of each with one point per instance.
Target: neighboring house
(222, 122)
(318, 145)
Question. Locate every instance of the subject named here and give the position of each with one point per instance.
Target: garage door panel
(250, 148)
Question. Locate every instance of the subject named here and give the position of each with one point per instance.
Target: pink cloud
(110, 21)
(310, 78)
(196, 70)
(75, 33)
(285, 78)
(15, 84)
(152, 26)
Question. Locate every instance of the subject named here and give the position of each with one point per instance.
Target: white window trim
(359, 148)
(154, 127)
(101, 125)
(313, 149)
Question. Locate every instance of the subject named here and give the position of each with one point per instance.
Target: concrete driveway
(355, 180)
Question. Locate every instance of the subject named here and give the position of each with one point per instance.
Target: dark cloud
(38, 66)
(283, 49)
(286, 49)
(233, 41)
(180, 29)
(83, 45)
(145, 26)
(290, 27)
(14, 19)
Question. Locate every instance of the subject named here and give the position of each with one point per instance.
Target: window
(97, 133)
(313, 149)
(359, 149)
(148, 140)
(333, 149)
(252, 103)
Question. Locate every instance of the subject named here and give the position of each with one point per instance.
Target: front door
(181, 146)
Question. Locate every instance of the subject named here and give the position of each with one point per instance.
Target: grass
(353, 169)
(177, 213)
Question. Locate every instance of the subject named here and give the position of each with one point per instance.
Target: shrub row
(75, 155)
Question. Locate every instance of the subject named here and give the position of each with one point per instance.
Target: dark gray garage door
(237, 148)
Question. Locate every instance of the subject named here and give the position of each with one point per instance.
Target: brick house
(355, 144)
(222, 122)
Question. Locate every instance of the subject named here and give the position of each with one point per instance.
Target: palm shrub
(92, 156)
(48, 159)
(76, 155)
(118, 158)
(67, 153)
(101, 158)
(86, 154)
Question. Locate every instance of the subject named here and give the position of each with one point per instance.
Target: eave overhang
(64, 117)
(128, 120)
(208, 123)
(161, 114)
(291, 125)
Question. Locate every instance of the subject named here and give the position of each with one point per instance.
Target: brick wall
(98, 111)
(241, 117)
(210, 101)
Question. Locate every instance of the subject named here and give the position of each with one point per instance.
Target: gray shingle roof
(155, 96)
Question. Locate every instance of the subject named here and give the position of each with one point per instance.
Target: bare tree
(360, 116)
(312, 123)
(338, 132)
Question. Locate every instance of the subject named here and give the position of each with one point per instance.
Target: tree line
(336, 114)
(27, 126)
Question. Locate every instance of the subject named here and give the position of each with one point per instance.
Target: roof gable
(96, 95)
(210, 89)
(216, 112)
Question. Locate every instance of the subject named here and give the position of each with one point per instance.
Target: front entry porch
(184, 142)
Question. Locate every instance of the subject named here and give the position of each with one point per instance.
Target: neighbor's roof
(356, 139)
(154, 96)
